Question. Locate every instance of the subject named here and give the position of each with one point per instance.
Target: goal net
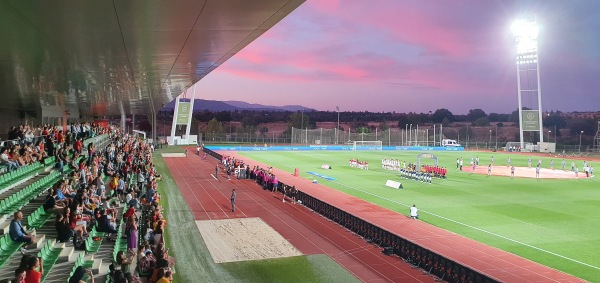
(516, 146)
(367, 145)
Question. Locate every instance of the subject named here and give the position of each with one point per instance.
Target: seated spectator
(75, 222)
(106, 205)
(17, 232)
(50, 205)
(79, 273)
(146, 262)
(4, 159)
(158, 232)
(106, 223)
(164, 275)
(161, 265)
(124, 262)
(63, 228)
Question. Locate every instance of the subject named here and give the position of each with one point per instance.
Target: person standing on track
(233, 195)
(490, 170)
(512, 171)
(186, 151)
(537, 171)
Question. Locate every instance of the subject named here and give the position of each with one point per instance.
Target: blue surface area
(331, 148)
(321, 175)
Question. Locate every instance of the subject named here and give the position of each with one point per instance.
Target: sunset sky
(396, 55)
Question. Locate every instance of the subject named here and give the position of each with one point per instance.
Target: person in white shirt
(414, 212)
(12, 165)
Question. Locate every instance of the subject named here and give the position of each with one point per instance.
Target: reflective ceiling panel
(104, 57)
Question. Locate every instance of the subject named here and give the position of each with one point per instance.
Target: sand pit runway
(242, 239)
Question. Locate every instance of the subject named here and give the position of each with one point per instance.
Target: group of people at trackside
(263, 176)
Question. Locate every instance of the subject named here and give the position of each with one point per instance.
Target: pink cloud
(333, 44)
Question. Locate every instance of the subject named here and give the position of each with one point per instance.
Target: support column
(189, 121)
(153, 125)
(174, 122)
(123, 117)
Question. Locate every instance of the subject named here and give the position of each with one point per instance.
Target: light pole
(405, 134)
(490, 139)
(337, 130)
(549, 135)
(580, 134)
(528, 73)
(410, 135)
(496, 147)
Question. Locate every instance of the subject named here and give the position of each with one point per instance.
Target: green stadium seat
(7, 248)
(50, 256)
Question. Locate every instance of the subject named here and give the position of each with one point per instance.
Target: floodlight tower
(526, 36)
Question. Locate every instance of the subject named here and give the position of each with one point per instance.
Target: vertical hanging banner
(183, 112)
(531, 120)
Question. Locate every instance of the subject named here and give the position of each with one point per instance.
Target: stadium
(87, 195)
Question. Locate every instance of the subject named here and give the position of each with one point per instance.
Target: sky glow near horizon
(415, 56)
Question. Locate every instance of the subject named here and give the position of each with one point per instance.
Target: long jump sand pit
(526, 172)
(173, 154)
(243, 239)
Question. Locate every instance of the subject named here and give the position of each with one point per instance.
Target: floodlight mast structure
(526, 34)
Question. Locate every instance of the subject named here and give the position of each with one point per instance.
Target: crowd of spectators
(27, 145)
(89, 198)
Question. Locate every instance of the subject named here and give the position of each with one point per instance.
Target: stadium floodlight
(526, 34)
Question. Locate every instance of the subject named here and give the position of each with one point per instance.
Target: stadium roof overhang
(121, 56)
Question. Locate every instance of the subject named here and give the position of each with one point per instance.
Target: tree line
(250, 120)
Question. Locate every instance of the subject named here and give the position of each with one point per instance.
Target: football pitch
(555, 222)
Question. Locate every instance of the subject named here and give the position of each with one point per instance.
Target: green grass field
(195, 264)
(550, 221)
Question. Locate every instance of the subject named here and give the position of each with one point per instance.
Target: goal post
(367, 145)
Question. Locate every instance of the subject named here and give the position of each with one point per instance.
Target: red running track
(307, 231)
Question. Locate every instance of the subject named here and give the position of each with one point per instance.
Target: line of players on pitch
(409, 171)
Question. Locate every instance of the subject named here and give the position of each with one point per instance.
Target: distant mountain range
(215, 106)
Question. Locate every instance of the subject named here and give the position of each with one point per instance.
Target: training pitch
(553, 221)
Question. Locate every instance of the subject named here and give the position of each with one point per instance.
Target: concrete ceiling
(101, 57)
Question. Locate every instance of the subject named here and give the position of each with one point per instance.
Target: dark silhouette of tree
(439, 115)
(475, 114)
